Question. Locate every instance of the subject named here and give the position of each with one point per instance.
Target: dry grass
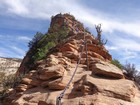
(8, 82)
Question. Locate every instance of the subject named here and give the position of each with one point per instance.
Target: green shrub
(42, 51)
(117, 63)
(58, 34)
(41, 43)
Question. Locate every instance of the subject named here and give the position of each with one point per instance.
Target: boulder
(52, 60)
(28, 81)
(51, 72)
(58, 84)
(23, 87)
(71, 55)
(31, 75)
(105, 69)
(93, 55)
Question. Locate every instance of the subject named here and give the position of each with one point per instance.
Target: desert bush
(132, 74)
(11, 81)
(8, 82)
(2, 75)
(130, 71)
(137, 78)
(117, 63)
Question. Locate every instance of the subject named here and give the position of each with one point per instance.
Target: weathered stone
(51, 72)
(64, 61)
(58, 84)
(121, 89)
(34, 82)
(52, 60)
(99, 50)
(23, 87)
(68, 47)
(71, 55)
(93, 55)
(32, 74)
(107, 70)
(105, 87)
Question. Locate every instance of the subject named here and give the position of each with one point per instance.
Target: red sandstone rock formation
(102, 84)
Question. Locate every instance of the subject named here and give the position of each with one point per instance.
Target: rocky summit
(96, 80)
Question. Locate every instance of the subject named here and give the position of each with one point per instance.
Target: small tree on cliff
(34, 42)
(99, 33)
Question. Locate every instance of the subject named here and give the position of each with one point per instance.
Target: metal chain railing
(58, 101)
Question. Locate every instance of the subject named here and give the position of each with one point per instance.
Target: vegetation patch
(117, 63)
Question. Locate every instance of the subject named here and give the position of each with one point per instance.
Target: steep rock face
(101, 84)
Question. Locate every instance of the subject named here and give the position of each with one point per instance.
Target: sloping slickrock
(106, 69)
(97, 100)
(99, 92)
(121, 89)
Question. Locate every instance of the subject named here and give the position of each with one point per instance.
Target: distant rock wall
(9, 65)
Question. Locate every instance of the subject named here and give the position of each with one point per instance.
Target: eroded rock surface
(101, 84)
(106, 69)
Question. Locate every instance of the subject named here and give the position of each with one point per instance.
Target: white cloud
(44, 9)
(15, 38)
(129, 54)
(125, 49)
(128, 44)
(18, 50)
(16, 6)
(23, 38)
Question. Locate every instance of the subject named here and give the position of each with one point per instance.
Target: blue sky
(120, 19)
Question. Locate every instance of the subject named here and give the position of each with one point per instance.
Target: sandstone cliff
(9, 65)
(99, 83)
